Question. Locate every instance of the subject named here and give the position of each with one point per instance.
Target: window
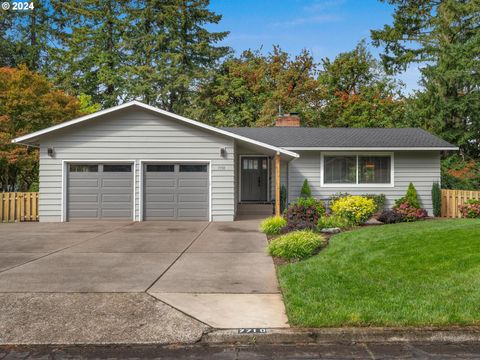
(357, 170)
(340, 170)
(117, 168)
(374, 169)
(193, 168)
(250, 164)
(161, 168)
(83, 168)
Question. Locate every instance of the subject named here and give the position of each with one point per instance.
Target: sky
(324, 27)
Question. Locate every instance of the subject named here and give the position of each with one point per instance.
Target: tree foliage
(356, 92)
(28, 102)
(443, 36)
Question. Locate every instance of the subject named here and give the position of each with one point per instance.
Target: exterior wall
(422, 168)
(134, 134)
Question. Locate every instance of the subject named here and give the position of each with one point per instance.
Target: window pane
(117, 168)
(264, 164)
(339, 170)
(161, 168)
(193, 168)
(250, 164)
(83, 168)
(374, 169)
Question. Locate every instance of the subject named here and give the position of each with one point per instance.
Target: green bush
(334, 221)
(295, 245)
(378, 199)
(436, 199)
(306, 192)
(357, 209)
(283, 198)
(311, 201)
(411, 197)
(272, 225)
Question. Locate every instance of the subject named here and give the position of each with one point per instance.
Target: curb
(345, 335)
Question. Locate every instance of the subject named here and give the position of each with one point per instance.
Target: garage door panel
(117, 198)
(98, 194)
(161, 198)
(159, 183)
(84, 183)
(187, 198)
(84, 213)
(192, 213)
(171, 194)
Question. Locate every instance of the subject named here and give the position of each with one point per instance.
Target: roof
(298, 138)
(30, 138)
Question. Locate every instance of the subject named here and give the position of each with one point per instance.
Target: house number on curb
(252, 331)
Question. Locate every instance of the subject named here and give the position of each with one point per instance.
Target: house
(138, 162)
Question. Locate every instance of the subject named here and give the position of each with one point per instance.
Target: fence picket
(18, 206)
(451, 199)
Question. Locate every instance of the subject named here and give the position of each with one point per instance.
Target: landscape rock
(335, 230)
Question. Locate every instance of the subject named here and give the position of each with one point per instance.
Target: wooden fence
(452, 198)
(18, 206)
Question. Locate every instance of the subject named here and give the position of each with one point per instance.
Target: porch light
(223, 152)
(51, 152)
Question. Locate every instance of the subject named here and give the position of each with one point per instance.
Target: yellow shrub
(357, 209)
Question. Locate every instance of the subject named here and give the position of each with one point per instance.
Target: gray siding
(422, 168)
(135, 134)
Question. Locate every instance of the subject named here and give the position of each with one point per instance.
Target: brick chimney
(292, 120)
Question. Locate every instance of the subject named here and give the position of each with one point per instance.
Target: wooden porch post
(277, 184)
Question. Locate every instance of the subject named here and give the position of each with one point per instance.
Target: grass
(412, 274)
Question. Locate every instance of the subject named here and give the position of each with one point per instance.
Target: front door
(254, 179)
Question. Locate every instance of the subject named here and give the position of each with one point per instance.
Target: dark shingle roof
(343, 137)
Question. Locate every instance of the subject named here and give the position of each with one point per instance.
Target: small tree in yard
(411, 197)
(306, 192)
(436, 199)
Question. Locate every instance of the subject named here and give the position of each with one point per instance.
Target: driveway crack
(178, 257)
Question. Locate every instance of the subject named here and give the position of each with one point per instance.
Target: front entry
(254, 179)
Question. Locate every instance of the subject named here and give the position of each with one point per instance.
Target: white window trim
(357, 154)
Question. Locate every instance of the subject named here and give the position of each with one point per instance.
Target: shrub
(334, 221)
(471, 209)
(378, 199)
(297, 225)
(410, 213)
(390, 217)
(357, 209)
(301, 217)
(306, 192)
(272, 225)
(295, 245)
(411, 197)
(436, 199)
(283, 198)
(311, 201)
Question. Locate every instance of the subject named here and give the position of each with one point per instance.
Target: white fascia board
(371, 148)
(22, 139)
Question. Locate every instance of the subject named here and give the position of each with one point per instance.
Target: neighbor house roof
(298, 138)
(31, 138)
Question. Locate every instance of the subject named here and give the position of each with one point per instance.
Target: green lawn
(413, 274)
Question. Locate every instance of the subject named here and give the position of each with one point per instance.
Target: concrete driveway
(218, 273)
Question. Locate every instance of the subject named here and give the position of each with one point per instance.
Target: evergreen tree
(92, 56)
(444, 37)
(28, 37)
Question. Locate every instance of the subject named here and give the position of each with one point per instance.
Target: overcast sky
(325, 27)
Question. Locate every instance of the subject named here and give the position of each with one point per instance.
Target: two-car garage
(170, 191)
